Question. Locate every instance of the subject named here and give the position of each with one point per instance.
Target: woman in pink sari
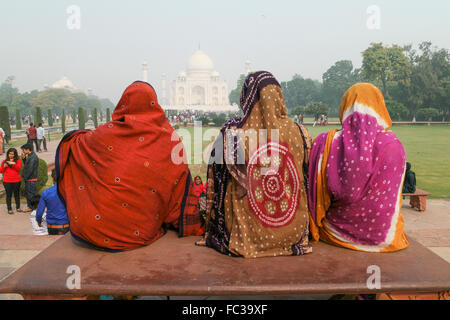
(356, 177)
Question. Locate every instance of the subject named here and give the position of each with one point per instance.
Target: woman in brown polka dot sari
(120, 183)
(257, 200)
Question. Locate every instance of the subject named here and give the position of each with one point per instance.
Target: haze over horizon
(284, 37)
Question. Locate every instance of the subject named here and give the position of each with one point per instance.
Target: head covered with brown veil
(257, 203)
(119, 183)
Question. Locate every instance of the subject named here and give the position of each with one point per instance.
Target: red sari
(119, 183)
(199, 188)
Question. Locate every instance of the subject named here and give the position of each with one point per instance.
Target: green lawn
(427, 148)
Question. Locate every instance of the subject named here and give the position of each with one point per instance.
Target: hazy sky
(284, 37)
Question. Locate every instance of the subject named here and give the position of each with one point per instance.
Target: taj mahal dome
(199, 87)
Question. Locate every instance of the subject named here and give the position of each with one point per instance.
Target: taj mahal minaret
(145, 71)
(248, 67)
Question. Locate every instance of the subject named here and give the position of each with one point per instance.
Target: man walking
(29, 173)
(32, 136)
(57, 220)
(40, 133)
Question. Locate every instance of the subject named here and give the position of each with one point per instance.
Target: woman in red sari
(199, 187)
(119, 182)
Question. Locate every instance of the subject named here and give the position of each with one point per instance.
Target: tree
(7, 91)
(295, 111)
(4, 122)
(316, 109)
(236, 93)
(106, 103)
(21, 103)
(382, 64)
(38, 116)
(300, 91)
(50, 117)
(74, 116)
(446, 105)
(218, 119)
(336, 81)
(427, 114)
(18, 120)
(63, 121)
(80, 99)
(428, 83)
(81, 118)
(397, 110)
(94, 118)
(108, 115)
(93, 103)
(55, 99)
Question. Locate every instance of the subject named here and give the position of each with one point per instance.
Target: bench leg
(414, 201)
(418, 202)
(422, 203)
(419, 296)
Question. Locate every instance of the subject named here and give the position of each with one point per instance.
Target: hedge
(4, 122)
(42, 177)
(81, 119)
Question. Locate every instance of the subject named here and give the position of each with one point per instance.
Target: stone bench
(174, 266)
(418, 199)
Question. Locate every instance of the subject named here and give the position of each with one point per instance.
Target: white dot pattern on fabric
(358, 175)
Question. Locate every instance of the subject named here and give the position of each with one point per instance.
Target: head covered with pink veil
(356, 177)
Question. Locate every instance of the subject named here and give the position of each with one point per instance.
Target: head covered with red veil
(119, 182)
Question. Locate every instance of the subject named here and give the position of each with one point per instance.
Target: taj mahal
(199, 87)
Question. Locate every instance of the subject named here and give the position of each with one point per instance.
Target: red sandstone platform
(175, 267)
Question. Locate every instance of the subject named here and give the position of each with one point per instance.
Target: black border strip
(183, 204)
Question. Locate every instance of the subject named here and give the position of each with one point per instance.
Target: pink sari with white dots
(356, 178)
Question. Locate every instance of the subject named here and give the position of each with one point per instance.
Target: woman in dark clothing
(409, 186)
(10, 168)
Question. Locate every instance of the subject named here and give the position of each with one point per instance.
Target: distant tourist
(316, 119)
(2, 141)
(119, 183)
(199, 187)
(40, 133)
(300, 118)
(32, 137)
(10, 168)
(200, 193)
(409, 186)
(355, 177)
(29, 173)
(57, 220)
(44, 142)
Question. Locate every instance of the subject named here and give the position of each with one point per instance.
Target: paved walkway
(18, 245)
(49, 155)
